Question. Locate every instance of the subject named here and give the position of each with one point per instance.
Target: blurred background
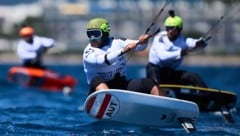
(65, 21)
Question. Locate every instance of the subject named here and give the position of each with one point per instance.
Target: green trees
(38, 23)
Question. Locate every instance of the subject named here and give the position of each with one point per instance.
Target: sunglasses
(94, 33)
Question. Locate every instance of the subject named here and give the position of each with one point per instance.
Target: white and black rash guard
(166, 53)
(27, 50)
(107, 61)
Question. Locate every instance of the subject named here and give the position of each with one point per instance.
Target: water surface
(30, 111)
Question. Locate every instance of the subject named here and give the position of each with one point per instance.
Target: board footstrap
(187, 124)
(226, 113)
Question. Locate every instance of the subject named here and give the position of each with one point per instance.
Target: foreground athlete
(104, 60)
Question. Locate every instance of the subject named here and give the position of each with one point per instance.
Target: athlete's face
(173, 33)
(96, 43)
(28, 39)
(95, 37)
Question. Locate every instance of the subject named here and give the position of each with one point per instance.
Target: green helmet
(99, 23)
(174, 21)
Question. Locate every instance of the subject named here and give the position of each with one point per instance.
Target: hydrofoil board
(141, 109)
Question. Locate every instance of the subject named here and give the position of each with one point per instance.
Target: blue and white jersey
(107, 61)
(166, 53)
(27, 50)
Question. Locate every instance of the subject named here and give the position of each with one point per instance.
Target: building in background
(67, 19)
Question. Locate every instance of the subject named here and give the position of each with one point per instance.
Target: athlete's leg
(33, 64)
(101, 86)
(156, 90)
(153, 72)
(145, 85)
(190, 78)
(118, 82)
(97, 84)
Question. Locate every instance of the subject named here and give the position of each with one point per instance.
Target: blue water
(28, 111)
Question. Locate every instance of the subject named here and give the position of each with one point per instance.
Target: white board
(140, 109)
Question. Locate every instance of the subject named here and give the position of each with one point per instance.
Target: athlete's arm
(95, 56)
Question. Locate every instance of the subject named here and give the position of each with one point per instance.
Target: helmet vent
(171, 13)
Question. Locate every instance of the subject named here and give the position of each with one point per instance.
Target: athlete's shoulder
(42, 38)
(160, 36)
(88, 47)
(22, 43)
(120, 38)
(36, 37)
(162, 33)
(88, 51)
